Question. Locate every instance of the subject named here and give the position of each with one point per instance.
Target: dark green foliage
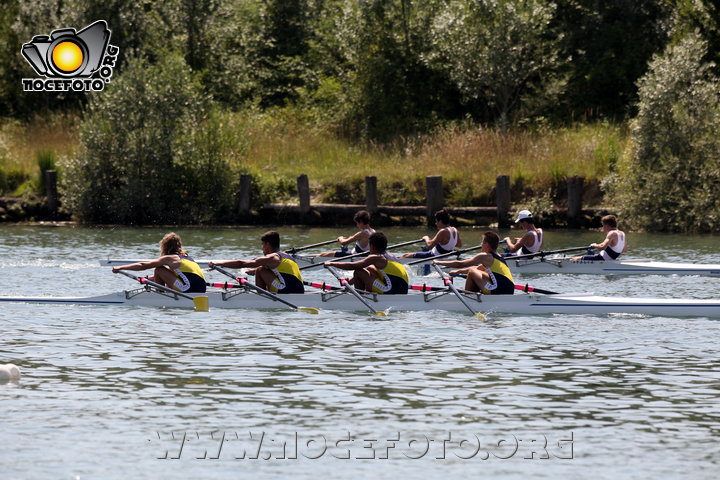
(154, 151)
(609, 44)
(671, 178)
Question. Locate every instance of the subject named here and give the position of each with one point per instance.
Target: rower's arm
(605, 243)
(440, 237)
(166, 260)
(469, 262)
(345, 240)
(365, 262)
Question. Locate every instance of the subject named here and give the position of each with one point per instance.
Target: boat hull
(618, 267)
(522, 304)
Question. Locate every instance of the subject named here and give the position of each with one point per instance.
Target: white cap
(523, 214)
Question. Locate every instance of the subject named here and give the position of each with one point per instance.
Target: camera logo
(71, 61)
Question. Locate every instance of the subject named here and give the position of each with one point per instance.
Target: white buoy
(9, 372)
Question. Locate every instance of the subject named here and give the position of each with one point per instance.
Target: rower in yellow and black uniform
(174, 268)
(379, 272)
(275, 271)
(486, 272)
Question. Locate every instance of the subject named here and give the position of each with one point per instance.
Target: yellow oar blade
(312, 310)
(202, 303)
(381, 314)
(480, 317)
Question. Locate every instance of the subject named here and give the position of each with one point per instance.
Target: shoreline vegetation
(206, 95)
(277, 148)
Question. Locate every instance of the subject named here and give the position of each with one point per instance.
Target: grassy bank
(276, 148)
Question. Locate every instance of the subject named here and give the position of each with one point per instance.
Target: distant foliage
(502, 52)
(670, 178)
(155, 151)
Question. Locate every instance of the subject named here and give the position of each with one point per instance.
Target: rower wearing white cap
(533, 239)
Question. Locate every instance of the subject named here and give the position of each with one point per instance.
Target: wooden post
(502, 199)
(371, 198)
(434, 196)
(304, 193)
(51, 192)
(244, 201)
(575, 191)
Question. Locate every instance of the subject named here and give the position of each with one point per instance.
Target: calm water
(118, 392)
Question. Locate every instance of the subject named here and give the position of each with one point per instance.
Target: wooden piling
(575, 190)
(303, 185)
(434, 192)
(371, 196)
(502, 199)
(51, 192)
(244, 200)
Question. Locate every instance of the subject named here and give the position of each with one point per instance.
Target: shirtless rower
(531, 241)
(444, 241)
(614, 244)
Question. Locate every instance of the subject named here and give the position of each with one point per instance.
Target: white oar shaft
(351, 289)
(449, 284)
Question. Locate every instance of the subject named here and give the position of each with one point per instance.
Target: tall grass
(468, 157)
(276, 147)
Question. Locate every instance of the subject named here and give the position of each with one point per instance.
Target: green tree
(610, 44)
(499, 52)
(670, 176)
(154, 150)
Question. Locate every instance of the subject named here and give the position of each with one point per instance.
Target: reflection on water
(106, 391)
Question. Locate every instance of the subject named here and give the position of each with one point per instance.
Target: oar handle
(444, 255)
(362, 254)
(549, 252)
(308, 247)
(527, 288)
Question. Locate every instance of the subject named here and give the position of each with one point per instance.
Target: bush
(670, 175)
(154, 151)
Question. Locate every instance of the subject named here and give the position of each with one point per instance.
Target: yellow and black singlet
(190, 277)
(287, 276)
(501, 280)
(394, 277)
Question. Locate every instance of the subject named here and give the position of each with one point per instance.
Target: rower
(614, 244)
(361, 237)
(487, 271)
(444, 241)
(174, 268)
(531, 241)
(379, 272)
(275, 271)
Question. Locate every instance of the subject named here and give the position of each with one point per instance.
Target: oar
(443, 255)
(449, 284)
(549, 252)
(262, 291)
(352, 290)
(292, 251)
(200, 301)
(526, 288)
(362, 254)
(321, 286)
